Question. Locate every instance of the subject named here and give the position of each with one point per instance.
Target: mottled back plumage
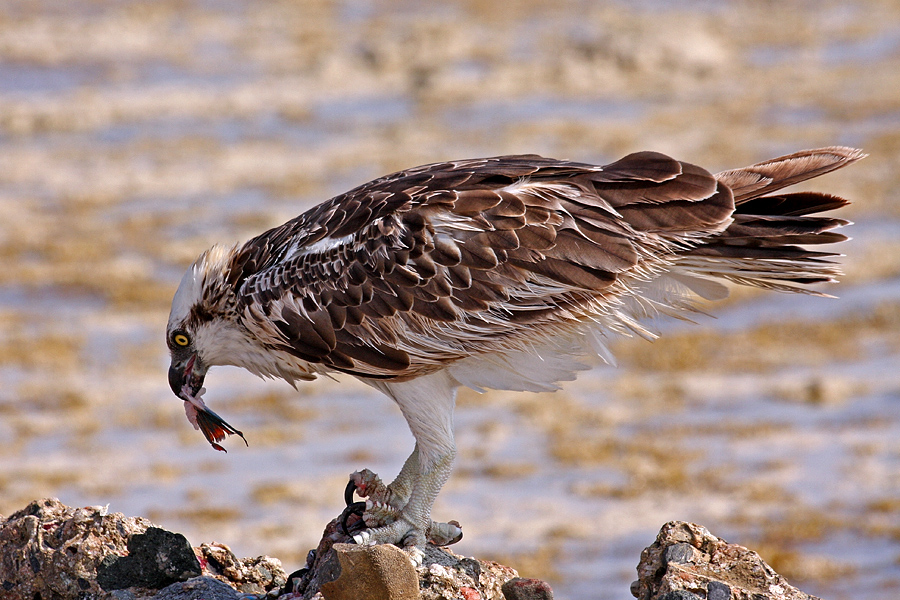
(427, 266)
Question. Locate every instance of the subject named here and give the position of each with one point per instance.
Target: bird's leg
(427, 403)
(400, 489)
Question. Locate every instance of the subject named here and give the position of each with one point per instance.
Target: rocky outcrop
(337, 569)
(49, 550)
(687, 562)
(52, 551)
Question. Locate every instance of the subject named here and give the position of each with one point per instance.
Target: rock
(687, 562)
(716, 590)
(381, 572)
(519, 588)
(445, 574)
(198, 588)
(249, 575)
(680, 595)
(155, 559)
(442, 574)
(50, 550)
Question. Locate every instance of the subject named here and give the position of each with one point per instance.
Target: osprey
(488, 273)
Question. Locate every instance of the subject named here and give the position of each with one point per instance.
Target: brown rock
(249, 575)
(382, 572)
(687, 561)
(519, 588)
(445, 574)
(49, 550)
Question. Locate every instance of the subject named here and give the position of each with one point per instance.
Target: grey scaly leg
(427, 403)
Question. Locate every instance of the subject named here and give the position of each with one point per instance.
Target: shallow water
(134, 135)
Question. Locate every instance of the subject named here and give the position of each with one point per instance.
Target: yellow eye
(181, 339)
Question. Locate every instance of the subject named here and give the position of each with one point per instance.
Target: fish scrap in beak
(186, 381)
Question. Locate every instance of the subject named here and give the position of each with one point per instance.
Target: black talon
(353, 508)
(289, 584)
(349, 491)
(290, 587)
(404, 541)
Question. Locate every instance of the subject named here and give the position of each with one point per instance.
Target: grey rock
(716, 590)
(679, 553)
(155, 559)
(198, 588)
(472, 567)
(680, 595)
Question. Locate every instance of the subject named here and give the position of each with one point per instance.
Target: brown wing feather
(428, 265)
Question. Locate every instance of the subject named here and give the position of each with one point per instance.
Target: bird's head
(202, 329)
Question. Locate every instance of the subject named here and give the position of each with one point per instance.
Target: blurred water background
(134, 134)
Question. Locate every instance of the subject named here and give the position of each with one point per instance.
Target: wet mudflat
(134, 135)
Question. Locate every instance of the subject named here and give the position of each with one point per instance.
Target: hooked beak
(186, 380)
(188, 373)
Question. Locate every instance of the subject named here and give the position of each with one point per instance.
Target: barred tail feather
(778, 173)
(764, 246)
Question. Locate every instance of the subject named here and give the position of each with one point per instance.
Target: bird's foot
(383, 505)
(365, 483)
(401, 533)
(404, 534)
(384, 516)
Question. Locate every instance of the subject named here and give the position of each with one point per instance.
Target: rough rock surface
(247, 575)
(155, 559)
(382, 572)
(442, 574)
(49, 550)
(198, 588)
(687, 562)
(445, 574)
